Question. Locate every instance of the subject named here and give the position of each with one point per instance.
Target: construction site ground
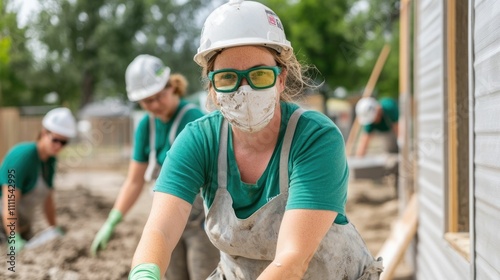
(85, 196)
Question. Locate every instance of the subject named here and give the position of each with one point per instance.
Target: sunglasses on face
(228, 80)
(150, 100)
(55, 140)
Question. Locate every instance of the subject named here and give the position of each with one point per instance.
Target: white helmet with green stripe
(145, 76)
(241, 23)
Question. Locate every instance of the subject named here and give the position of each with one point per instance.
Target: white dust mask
(248, 109)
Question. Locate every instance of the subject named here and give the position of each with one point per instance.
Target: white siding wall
(435, 260)
(486, 34)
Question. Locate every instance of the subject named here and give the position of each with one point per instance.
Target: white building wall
(486, 67)
(435, 259)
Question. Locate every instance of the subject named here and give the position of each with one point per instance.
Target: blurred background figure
(150, 83)
(377, 117)
(27, 178)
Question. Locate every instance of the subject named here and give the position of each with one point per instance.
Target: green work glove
(59, 230)
(145, 271)
(19, 243)
(102, 237)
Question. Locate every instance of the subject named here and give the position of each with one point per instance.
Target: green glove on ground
(145, 271)
(19, 243)
(102, 237)
(60, 230)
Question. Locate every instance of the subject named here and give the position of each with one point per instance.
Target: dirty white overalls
(27, 205)
(185, 263)
(390, 137)
(248, 245)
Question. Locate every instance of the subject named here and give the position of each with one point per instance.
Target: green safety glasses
(228, 80)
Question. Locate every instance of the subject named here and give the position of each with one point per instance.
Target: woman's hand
(148, 271)
(104, 234)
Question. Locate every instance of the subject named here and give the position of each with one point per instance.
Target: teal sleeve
(390, 107)
(191, 115)
(318, 167)
(141, 141)
(183, 171)
(368, 128)
(19, 167)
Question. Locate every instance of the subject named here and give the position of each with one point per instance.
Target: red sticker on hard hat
(273, 19)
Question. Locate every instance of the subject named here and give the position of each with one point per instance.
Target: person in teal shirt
(273, 177)
(377, 117)
(27, 179)
(150, 83)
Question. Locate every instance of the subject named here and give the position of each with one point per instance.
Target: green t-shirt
(390, 115)
(23, 163)
(141, 140)
(317, 166)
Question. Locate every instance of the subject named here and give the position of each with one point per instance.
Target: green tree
(90, 43)
(15, 59)
(343, 38)
(373, 24)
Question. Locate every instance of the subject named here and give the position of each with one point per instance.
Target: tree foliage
(343, 38)
(90, 43)
(15, 59)
(83, 47)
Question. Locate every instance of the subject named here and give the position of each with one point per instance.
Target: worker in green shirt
(377, 117)
(273, 176)
(27, 178)
(150, 83)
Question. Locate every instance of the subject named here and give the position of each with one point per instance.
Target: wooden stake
(372, 81)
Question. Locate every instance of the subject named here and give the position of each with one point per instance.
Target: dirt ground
(84, 199)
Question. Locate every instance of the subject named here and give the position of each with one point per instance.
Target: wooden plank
(372, 81)
(373, 167)
(403, 231)
(460, 241)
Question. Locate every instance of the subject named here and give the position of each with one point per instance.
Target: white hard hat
(366, 110)
(145, 76)
(60, 121)
(240, 23)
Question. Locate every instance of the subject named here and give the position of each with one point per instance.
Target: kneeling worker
(378, 117)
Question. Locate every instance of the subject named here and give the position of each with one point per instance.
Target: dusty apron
(389, 137)
(249, 245)
(153, 169)
(391, 142)
(27, 206)
(194, 257)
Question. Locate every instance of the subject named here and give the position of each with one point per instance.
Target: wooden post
(402, 233)
(9, 129)
(405, 184)
(452, 112)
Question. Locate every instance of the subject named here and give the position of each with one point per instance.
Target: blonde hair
(296, 79)
(179, 83)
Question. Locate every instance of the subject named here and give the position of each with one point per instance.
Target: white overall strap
(285, 149)
(222, 159)
(177, 121)
(152, 149)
